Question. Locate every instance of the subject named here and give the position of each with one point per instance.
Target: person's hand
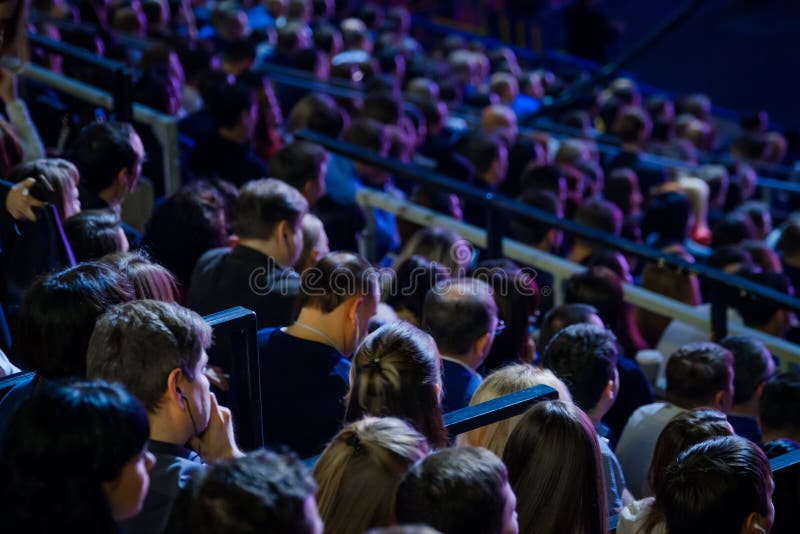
(8, 86)
(217, 442)
(20, 202)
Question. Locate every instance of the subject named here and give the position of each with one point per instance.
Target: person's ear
(174, 392)
(718, 401)
(755, 524)
(437, 390)
(353, 306)
(121, 181)
(282, 232)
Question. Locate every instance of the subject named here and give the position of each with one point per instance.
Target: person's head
(696, 191)
(505, 381)
(669, 282)
(109, 157)
(560, 317)
(342, 288)
(62, 176)
(396, 372)
(667, 219)
(315, 243)
(157, 350)
(149, 280)
(683, 431)
(489, 156)
(58, 314)
(237, 56)
(760, 313)
(271, 210)
(622, 188)
(764, 257)
(633, 126)
(760, 216)
(235, 111)
(731, 259)
(303, 166)
(720, 485)
(500, 120)
(700, 374)
(95, 233)
(462, 490)
(505, 86)
(753, 366)
(317, 112)
(374, 136)
(732, 230)
(601, 215)
(553, 461)
(779, 407)
(536, 233)
(263, 491)
(360, 469)
(461, 315)
(382, 106)
(584, 356)
(74, 456)
(414, 277)
(789, 241)
(445, 247)
(717, 178)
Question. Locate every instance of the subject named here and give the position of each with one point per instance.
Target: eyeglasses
(501, 325)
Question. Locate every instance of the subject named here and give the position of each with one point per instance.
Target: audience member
(753, 366)
(721, 485)
(461, 315)
(779, 414)
(554, 468)
(413, 278)
(462, 490)
(561, 317)
(303, 166)
(260, 492)
(315, 243)
(445, 247)
(256, 274)
(396, 372)
(360, 470)
(304, 367)
(95, 233)
(158, 351)
(149, 280)
(760, 314)
(698, 375)
(505, 381)
(75, 458)
(585, 357)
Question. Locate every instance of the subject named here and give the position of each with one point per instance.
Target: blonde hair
(312, 232)
(502, 382)
(359, 471)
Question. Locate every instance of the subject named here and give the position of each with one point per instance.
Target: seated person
(75, 458)
(753, 366)
(461, 315)
(359, 471)
(779, 414)
(95, 233)
(305, 367)
(315, 243)
(157, 350)
(463, 490)
(302, 165)
(737, 486)
(584, 356)
(698, 375)
(260, 492)
(267, 217)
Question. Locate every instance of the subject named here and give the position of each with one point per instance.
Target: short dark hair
(317, 112)
(414, 277)
(382, 106)
(546, 177)
(601, 215)
(58, 314)
(620, 186)
(139, 343)
(528, 230)
(239, 50)
(229, 103)
(483, 150)
(779, 406)
(666, 219)
(715, 485)
(696, 372)
(262, 491)
(584, 356)
(560, 317)
(757, 311)
(264, 203)
(336, 278)
(457, 490)
(367, 133)
(750, 365)
(60, 445)
(789, 241)
(101, 151)
(631, 123)
(297, 163)
(93, 233)
(732, 230)
(457, 313)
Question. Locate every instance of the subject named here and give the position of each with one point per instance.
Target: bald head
(501, 120)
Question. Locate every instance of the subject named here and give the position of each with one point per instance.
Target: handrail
(165, 127)
(510, 207)
(119, 37)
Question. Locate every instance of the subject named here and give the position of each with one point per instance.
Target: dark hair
(457, 313)
(263, 491)
(61, 445)
(553, 461)
(101, 151)
(139, 343)
(584, 356)
(456, 490)
(559, 318)
(620, 187)
(324, 36)
(779, 406)
(696, 372)
(757, 311)
(414, 277)
(517, 297)
(789, 242)
(367, 133)
(601, 215)
(730, 255)
(680, 433)
(262, 204)
(750, 365)
(93, 233)
(382, 106)
(547, 178)
(336, 278)
(630, 125)
(58, 314)
(317, 112)
(297, 163)
(732, 230)
(58, 173)
(230, 102)
(666, 219)
(395, 373)
(602, 288)
(482, 151)
(149, 280)
(715, 485)
(528, 230)
(239, 50)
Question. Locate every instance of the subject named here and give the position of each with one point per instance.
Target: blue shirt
(12, 401)
(459, 383)
(746, 427)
